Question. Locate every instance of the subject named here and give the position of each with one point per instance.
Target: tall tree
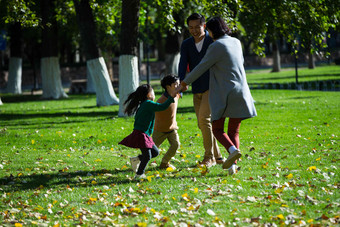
(309, 22)
(301, 23)
(263, 20)
(50, 68)
(94, 60)
(15, 20)
(128, 61)
(15, 61)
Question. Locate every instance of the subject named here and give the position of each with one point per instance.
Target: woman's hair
(196, 16)
(218, 27)
(136, 98)
(168, 80)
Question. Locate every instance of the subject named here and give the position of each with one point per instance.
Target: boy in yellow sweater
(165, 121)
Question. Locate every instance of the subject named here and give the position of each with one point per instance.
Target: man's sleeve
(183, 62)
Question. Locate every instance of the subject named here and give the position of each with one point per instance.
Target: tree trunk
(14, 75)
(90, 87)
(171, 63)
(51, 81)
(95, 62)
(103, 84)
(128, 79)
(311, 62)
(276, 58)
(128, 62)
(50, 69)
(172, 52)
(15, 61)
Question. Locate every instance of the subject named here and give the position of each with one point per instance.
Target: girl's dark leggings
(147, 154)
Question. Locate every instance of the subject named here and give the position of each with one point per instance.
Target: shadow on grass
(52, 118)
(72, 179)
(101, 177)
(305, 97)
(188, 109)
(38, 98)
(24, 116)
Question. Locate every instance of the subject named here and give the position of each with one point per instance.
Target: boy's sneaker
(139, 177)
(220, 160)
(231, 159)
(134, 163)
(232, 169)
(208, 162)
(166, 165)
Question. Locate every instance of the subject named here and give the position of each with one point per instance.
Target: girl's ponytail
(136, 98)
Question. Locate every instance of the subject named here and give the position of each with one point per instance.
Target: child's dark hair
(218, 27)
(136, 98)
(196, 16)
(168, 80)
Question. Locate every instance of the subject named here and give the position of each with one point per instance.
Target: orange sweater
(165, 121)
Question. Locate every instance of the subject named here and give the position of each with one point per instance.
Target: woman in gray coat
(229, 92)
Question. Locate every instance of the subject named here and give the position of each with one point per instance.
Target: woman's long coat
(229, 94)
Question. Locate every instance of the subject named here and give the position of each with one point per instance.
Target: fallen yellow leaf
(279, 190)
(149, 178)
(311, 168)
(280, 216)
(289, 176)
(169, 169)
(191, 207)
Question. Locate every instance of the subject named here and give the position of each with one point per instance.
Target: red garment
(137, 139)
(230, 139)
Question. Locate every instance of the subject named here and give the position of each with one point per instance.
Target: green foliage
(301, 23)
(20, 11)
(309, 22)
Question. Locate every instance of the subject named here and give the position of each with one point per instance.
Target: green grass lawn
(287, 75)
(61, 165)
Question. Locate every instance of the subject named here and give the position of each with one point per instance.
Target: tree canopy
(304, 23)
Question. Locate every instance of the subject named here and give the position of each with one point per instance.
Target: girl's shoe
(134, 163)
(231, 159)
(139, 177)
(232, 169)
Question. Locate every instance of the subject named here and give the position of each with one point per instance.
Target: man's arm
(183, 62)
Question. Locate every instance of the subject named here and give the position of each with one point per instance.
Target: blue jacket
(190, 55)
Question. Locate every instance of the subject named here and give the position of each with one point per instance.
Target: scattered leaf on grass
(210, 212)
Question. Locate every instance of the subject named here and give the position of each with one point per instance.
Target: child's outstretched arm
(155, 106)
